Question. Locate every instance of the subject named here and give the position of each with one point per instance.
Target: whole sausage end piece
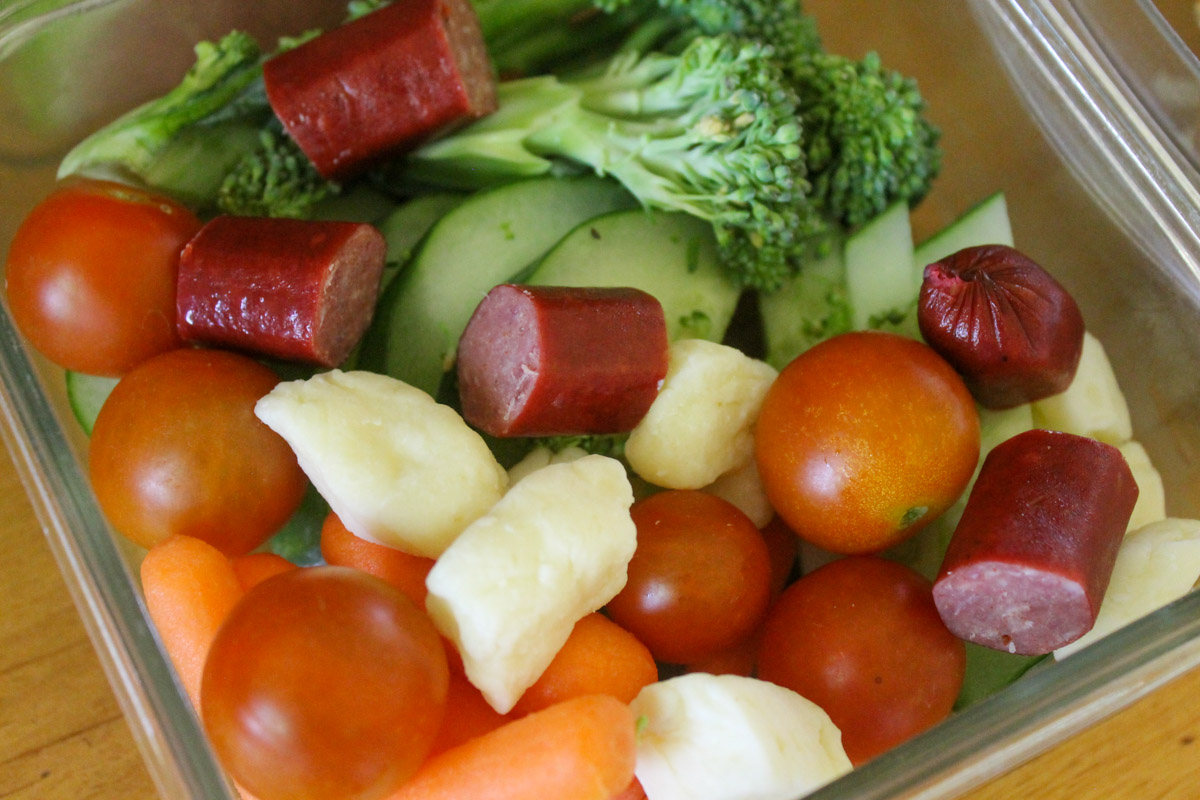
(548, 361)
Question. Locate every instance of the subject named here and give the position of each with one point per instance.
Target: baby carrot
(254, 568)
(406, 572)
(599, 657)
(467, 715)
(190, 588)
(633, 791)
(580, 749)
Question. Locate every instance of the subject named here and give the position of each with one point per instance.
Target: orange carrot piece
(254, 568)
(599, 657)
(633, 791)
(467, 716)
(190, 588)
(405, 571)
(580, 749)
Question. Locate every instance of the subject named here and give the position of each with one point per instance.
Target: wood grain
(62, 735)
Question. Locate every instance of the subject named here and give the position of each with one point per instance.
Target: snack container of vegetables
(1066, 128)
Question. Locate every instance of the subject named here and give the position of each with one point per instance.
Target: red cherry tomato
(177, 449)
(324, 683)
(864, 439)
(700, 579)
(91, 275)
(861, 638)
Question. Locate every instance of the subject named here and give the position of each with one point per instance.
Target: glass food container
(1086, 113)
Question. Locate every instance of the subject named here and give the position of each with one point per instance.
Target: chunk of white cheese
(725, 737)
(1151, 503)
(743, 488)
(397, 468)
(701, 424)
(513, 585)
(1092, 405)
(1157, 564)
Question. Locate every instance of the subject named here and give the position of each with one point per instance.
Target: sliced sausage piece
(1031, 558)
(298, 290)
(548, 361)
(382, 83)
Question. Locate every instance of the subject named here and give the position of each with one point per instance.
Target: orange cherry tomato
(700, 579)
(864, 439)
(91, 275)
(324, 683)
(177, 449)
(861, 638)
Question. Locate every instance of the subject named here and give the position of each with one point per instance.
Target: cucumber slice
(671, 256)
(487, 240)
(879, 276)
(985, 223)
(405, 228)
(86, 394)
(811, 307)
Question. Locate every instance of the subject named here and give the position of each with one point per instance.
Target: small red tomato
(699, 580)
(177, 449)
(324, 683)
(91, 275)
(864, 439)
(861, 638)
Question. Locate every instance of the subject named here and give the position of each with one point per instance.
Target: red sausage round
(382, 84)
(298, 290)
(1032, 556)
(548, 361)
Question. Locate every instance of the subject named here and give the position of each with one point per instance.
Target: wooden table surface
(62, 734)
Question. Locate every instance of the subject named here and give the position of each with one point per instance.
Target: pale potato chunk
(1157, 563)
(1151, 503)
(725, 737)
(1092, 405)
(397, 468)
(701, 425)
(511, 587)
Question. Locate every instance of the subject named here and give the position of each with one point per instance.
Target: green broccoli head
(712, 132)
(275, 179)
(223, 85)
(867, 142)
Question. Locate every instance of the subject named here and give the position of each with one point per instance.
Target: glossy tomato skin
(864, 439)
(862, 639)
(700, 579)
(177, 449)
(324, 683)
(91, 275)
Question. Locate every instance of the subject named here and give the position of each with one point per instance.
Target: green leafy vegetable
(711, 132)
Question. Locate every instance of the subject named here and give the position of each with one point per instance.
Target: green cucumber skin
(985, 223)
(809, 308)
(670, 256)
(486, 240)
(879, 275)
(406, 227)
(86, 394)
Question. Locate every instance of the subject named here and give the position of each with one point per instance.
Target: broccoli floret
(531, 37)
(711, 132)
(274, 180)
(611, 445)
(780, 23)
(212, 141)
(867, 142)
(223, 88)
